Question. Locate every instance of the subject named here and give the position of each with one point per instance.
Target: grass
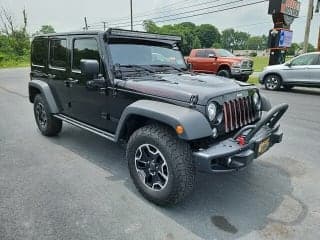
(259, 63)
(253, 80)
(18, 62)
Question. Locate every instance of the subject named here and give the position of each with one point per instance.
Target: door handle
(51, 76)
(70, 81)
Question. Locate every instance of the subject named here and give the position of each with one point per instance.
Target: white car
(303, 70)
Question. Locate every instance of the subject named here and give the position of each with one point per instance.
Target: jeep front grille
(238, 113)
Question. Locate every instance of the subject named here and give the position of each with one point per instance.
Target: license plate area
(263, 146)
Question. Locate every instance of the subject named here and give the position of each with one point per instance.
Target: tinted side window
(318, 63)
(39, 52)
(58, 53)
(201, 54)
(84, 49)
(304, 60)
(210, 52)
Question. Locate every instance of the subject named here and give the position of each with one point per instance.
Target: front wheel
(272, 82)
(224, 73)
(160, 164)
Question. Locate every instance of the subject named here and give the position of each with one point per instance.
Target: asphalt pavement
(77, 185)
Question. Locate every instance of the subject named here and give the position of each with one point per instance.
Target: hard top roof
(119, 33)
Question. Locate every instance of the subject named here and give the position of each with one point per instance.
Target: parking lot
(77, 186)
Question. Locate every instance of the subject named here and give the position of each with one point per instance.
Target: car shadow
(297, 90)
(309, 91)
(223, 206)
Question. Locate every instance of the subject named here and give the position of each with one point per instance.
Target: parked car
(220, 62)
(134, 88)
(303, 70)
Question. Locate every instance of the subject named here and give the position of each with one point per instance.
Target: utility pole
(308, 25)
(319, 40)
(131, 15)
(85, 24)
(104, 25)
(317, 11)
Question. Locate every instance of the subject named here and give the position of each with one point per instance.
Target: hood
(184, 87)
(275, 67)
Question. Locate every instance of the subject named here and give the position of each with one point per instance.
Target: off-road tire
(272, 82)
(224, 73)
(178, 156)
(52, 125)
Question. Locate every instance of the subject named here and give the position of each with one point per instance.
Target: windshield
(139, 54)
(223, 53)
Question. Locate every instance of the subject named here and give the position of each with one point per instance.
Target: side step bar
(87, 127)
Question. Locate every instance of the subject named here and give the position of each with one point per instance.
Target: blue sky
(67, 15)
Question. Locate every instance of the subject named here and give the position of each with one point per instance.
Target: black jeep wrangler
(135, 88)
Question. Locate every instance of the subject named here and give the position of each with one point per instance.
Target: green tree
(45, 29)
(256, 43)
(292, 51)
(208, 35)
(150, 26)
(14, 39)
(311, 48)
(240, 40)
(228, 38)
(231, 39)
(186, 30)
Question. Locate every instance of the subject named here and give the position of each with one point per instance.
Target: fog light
(214, 133)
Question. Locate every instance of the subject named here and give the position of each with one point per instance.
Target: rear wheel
(224, 73)
(272, 82)
(47, 123)
(160, 164)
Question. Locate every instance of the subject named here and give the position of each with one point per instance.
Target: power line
(142, 17)
(142, 14)
(148, 13)
(201, 14)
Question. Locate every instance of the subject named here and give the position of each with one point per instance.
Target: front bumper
(241, 71)
(229, 155)
(261, 77)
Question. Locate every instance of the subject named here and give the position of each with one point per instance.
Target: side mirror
(211, 55)
(289, 64)
(89, 68)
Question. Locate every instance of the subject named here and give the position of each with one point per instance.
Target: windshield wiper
(138, 67)
(169, 66)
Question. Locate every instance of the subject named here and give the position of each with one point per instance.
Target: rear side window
(201, 53)
(58, 53)
(86, 48)
(39, 52)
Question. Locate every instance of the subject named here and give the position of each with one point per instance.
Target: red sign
(290, 7)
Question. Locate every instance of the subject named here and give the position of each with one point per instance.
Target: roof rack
(114, 33)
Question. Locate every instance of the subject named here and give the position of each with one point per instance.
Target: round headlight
(257, 101)
(212, 111)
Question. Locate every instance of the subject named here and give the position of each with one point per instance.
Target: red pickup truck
(220, 62)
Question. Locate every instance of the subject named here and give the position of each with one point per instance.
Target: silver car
(303, 70)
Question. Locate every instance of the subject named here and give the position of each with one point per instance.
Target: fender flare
(194, 123)
(45, 90)
(265, 103)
